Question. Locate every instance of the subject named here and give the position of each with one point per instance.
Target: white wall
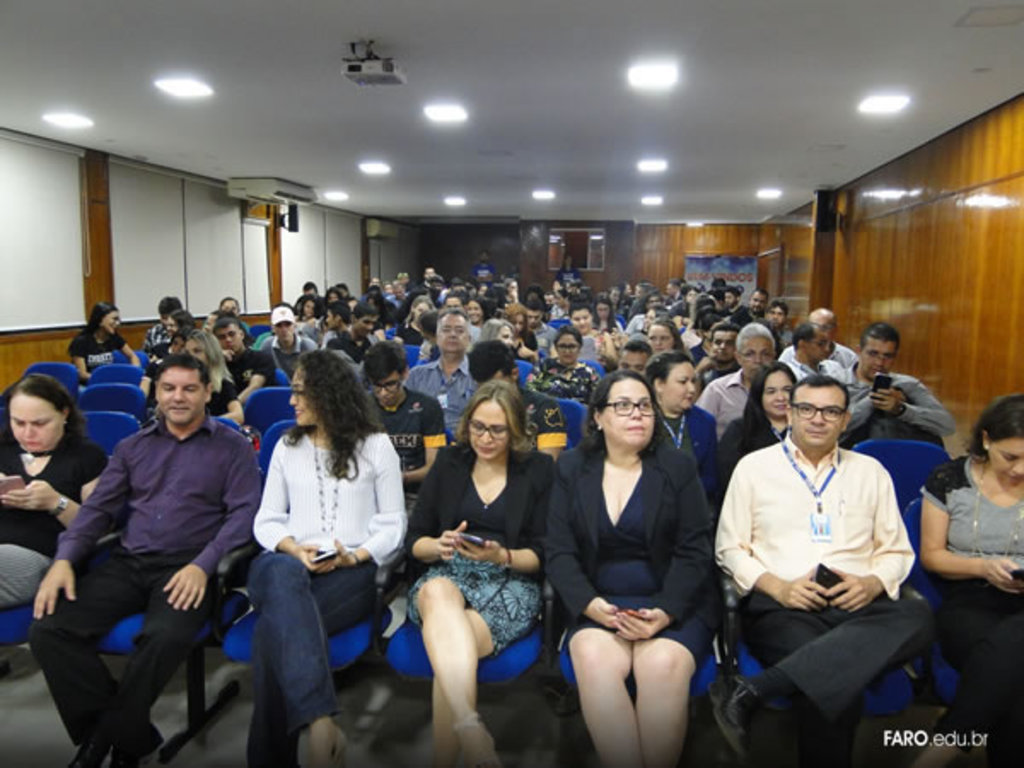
(326, 249)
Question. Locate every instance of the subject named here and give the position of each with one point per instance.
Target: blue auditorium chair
(65, 373)
(268, 406)
(108, 428)
(909, 463)
(259, 329)
(596, 366)
(125, 398)
(558, 322)
(229, 422)
(281, 378)
(143, 359)
(269, 440)
(575, 415)
(120, 358)
(525, 369)
(116, 373)
(412, 355)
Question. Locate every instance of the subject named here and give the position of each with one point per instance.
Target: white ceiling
(767, 98)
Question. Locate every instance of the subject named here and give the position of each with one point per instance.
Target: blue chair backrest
(116, 373)
(65, 373)
(596, 366)
(919, 578)
(122, 359)
(281, 378)
(267, 406)
(229, 423)
(575, 414)
(622, 321)
(389, 333)
(449, 436)
(909, 462)
(258, 330)
(143, 359)
(108, 428)
(269, 440)
(412, 355)
(559, 322)
(125, 398)
(525, 369)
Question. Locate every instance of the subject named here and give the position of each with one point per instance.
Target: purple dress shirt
(200, 493)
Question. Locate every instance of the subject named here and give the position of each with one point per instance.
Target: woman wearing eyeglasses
(477, 526)
(563, 375)
(628, 550)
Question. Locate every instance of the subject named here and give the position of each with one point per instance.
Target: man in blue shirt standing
(190, 488)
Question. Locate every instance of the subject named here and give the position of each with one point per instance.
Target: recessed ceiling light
(445, 113)
(184, 87)
(67, 120)
(336, 196)
(455, 201)
(597, 238)
(695, 223)
(543, 194)
(652, 200)
(769, 193)
(883, 104)
(375, 168)
(652, 165)
(655, 76)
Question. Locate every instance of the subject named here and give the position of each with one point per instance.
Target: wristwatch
(62, 505)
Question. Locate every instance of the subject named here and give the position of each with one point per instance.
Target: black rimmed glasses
(830, 413)
(627, 407)
(496, 431)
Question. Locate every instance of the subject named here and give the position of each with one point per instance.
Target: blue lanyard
(817, 492)
(780, 435)
(677, 438)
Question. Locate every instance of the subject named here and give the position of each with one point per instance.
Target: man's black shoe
(733, 704)
(91, 754)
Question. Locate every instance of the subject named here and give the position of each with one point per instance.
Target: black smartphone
(882, 381)
(325, 554)
(473, 539)
(1018, 575)
(827, 577)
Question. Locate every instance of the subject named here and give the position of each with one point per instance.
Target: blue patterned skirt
(508, 601)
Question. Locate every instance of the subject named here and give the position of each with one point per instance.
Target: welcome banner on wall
(735, 270)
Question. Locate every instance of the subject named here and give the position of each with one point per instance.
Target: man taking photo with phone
(887, 405)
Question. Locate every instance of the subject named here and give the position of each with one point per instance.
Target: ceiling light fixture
(597, 238)
(543, 194)
(336, 196)
(375, 168)
(184, 87)
(455, 201)
(883, 104)
(652, 200)
(445, 113)
(769, 193)
(652, 165)
(655, 76)
(67, 120)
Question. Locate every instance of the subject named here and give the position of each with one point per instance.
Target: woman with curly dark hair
(332, 510)
(42, 445)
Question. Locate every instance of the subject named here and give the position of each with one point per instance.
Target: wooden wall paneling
(275, 275)
(98, 266)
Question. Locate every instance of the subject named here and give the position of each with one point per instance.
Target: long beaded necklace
(327, 515)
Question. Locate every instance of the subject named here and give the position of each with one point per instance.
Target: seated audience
(599, 347)
(42, 443)
(287, 343)
(790, 508)
(758, 303)
(904, 410)
(778, 317)
(447, 378)
(765, 419)
(307, 317)
(95, 346)
(175, 347)
(413, 420)
(336, 321)
(525, 342)
(544, 333)
(179, 522)
(635, 354)
(564, 376)
(628, 551)
(843, 357)
(809, 354)
(663, 335)
(477, 525)
(725, 397)
(690, 428)
(223, 393)
(493, 360)
(497, 330)
(411, 332)
(605, 320)
(970, 539)
(334, 485)
(360, 336)
(706, 320)
(158, 334)
(722, 360)
(250, 369)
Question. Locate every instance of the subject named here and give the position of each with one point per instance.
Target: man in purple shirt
(188, 489)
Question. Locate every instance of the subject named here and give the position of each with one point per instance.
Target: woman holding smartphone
(333, 509)
(972, 536)
(628, 551)
(47, 469)
(477, 526)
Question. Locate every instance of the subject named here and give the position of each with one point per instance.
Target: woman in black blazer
(478, 525)
(628, 550)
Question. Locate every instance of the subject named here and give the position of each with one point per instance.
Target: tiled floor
(387, 720)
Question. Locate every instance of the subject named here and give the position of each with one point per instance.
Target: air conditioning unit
(274, 191)
(381, 230)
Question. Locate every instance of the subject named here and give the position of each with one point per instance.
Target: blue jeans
(292, 683)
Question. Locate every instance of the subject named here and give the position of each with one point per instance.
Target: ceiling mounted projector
(366, 68)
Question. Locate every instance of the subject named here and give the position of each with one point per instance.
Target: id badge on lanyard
(821, 521)
(821, 527)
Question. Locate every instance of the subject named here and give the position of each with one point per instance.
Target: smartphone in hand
(12, 483)
(322, 555)
(480, 542)
(826, 577)
(882, 381)
(1017, 575)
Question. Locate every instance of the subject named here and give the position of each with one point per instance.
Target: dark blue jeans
(292, 683)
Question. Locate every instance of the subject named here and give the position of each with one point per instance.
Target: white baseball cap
(282, 315)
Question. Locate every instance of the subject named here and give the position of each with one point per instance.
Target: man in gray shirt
(900, 408)
(447, 378)
(286, 344)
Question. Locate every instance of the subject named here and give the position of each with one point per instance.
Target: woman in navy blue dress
(628, 549)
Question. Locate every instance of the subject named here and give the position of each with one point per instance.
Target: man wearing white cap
(286, 344)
